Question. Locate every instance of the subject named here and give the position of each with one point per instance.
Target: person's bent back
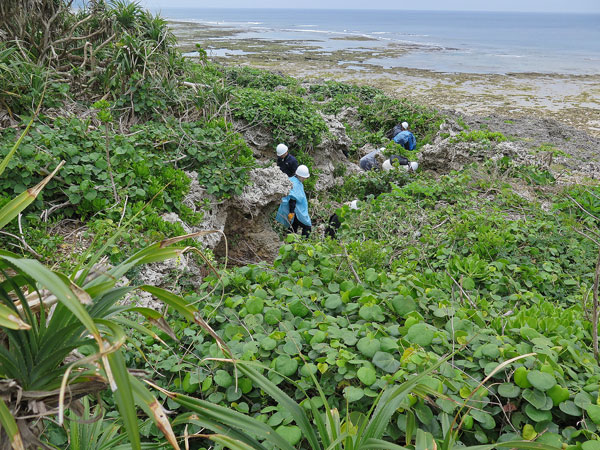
(405, 138)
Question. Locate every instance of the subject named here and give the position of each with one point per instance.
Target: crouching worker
(335, 223)
(405, 137)
(372, 160)
(402, 162)
(293, 211)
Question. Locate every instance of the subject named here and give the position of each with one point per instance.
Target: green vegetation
(449, 312)
(290, 117)
(479, 136)
(549, 148)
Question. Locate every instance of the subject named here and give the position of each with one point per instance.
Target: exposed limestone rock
(446, 155)
(331, 153)
(349, 115)
(249, 226)
(366, 149)
(337, 139)
(267, 185)
(258, 138)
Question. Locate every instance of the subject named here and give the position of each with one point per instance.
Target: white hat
(414, 165)
(387, 165)
(405, 125)
(353, 204)
(302, 171)
(281, 149)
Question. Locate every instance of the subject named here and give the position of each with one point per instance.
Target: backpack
(394, 131)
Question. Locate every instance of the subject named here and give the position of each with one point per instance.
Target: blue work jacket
(406, 139)
(301, 211)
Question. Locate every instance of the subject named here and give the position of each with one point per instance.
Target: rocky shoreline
(573, 100)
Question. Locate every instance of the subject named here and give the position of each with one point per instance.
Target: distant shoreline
(572, 99)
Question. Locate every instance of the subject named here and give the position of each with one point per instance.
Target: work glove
(291, 217)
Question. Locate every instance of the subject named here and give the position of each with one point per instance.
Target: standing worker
(286, 162)
(405, 138)
(293, 211)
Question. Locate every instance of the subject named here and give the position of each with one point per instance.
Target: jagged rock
(446, 155)
(214, 216)
(249, 226)
(336, 139)
(331, 153)
(258, 138)
(349, 115)
(267, 185)
(366, 149)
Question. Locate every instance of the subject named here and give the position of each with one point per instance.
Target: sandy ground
(571, 99)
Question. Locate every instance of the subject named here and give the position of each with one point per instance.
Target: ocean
(441, 41)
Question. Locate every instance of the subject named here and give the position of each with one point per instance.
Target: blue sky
(455, 5)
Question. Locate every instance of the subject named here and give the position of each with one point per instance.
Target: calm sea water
(473, 42)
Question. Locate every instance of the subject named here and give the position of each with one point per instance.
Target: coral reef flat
(571, 99)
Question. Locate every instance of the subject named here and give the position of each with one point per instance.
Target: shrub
(290, 118)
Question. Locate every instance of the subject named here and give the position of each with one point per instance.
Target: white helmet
(302, 171)
(282, 149)
(405, 125)
(387, 165)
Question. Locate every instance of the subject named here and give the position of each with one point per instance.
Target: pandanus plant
(45, 319)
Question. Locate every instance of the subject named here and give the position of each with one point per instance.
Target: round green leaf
(353, 394)
(223, 378)
(583, 399)
(386, 362)
(490, 351)
(403, 304)
(535, 397)
(553, 439)
(541, 380)
(424, 413)
(591, 445)
(318, 337)
(333, 301)
(509, 390)
(273, 316)
(368, 346)
(570, 408)
(371, 274)
(285, 365)
(529, 432)
(520, 377)
(468, 283)
(291, 433)
(308, 369)
(367, 375)
(255, 305)
(420, 334)
(232, 394)
(594, 413)
(371, 313)
(268, 344)
(298, 309)
(558, 394)
(536, 415)
(486, 420)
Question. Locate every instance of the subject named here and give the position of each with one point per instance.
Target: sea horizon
(442, 41)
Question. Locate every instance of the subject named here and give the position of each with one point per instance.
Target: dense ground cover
(436, 266)
(428, 266)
